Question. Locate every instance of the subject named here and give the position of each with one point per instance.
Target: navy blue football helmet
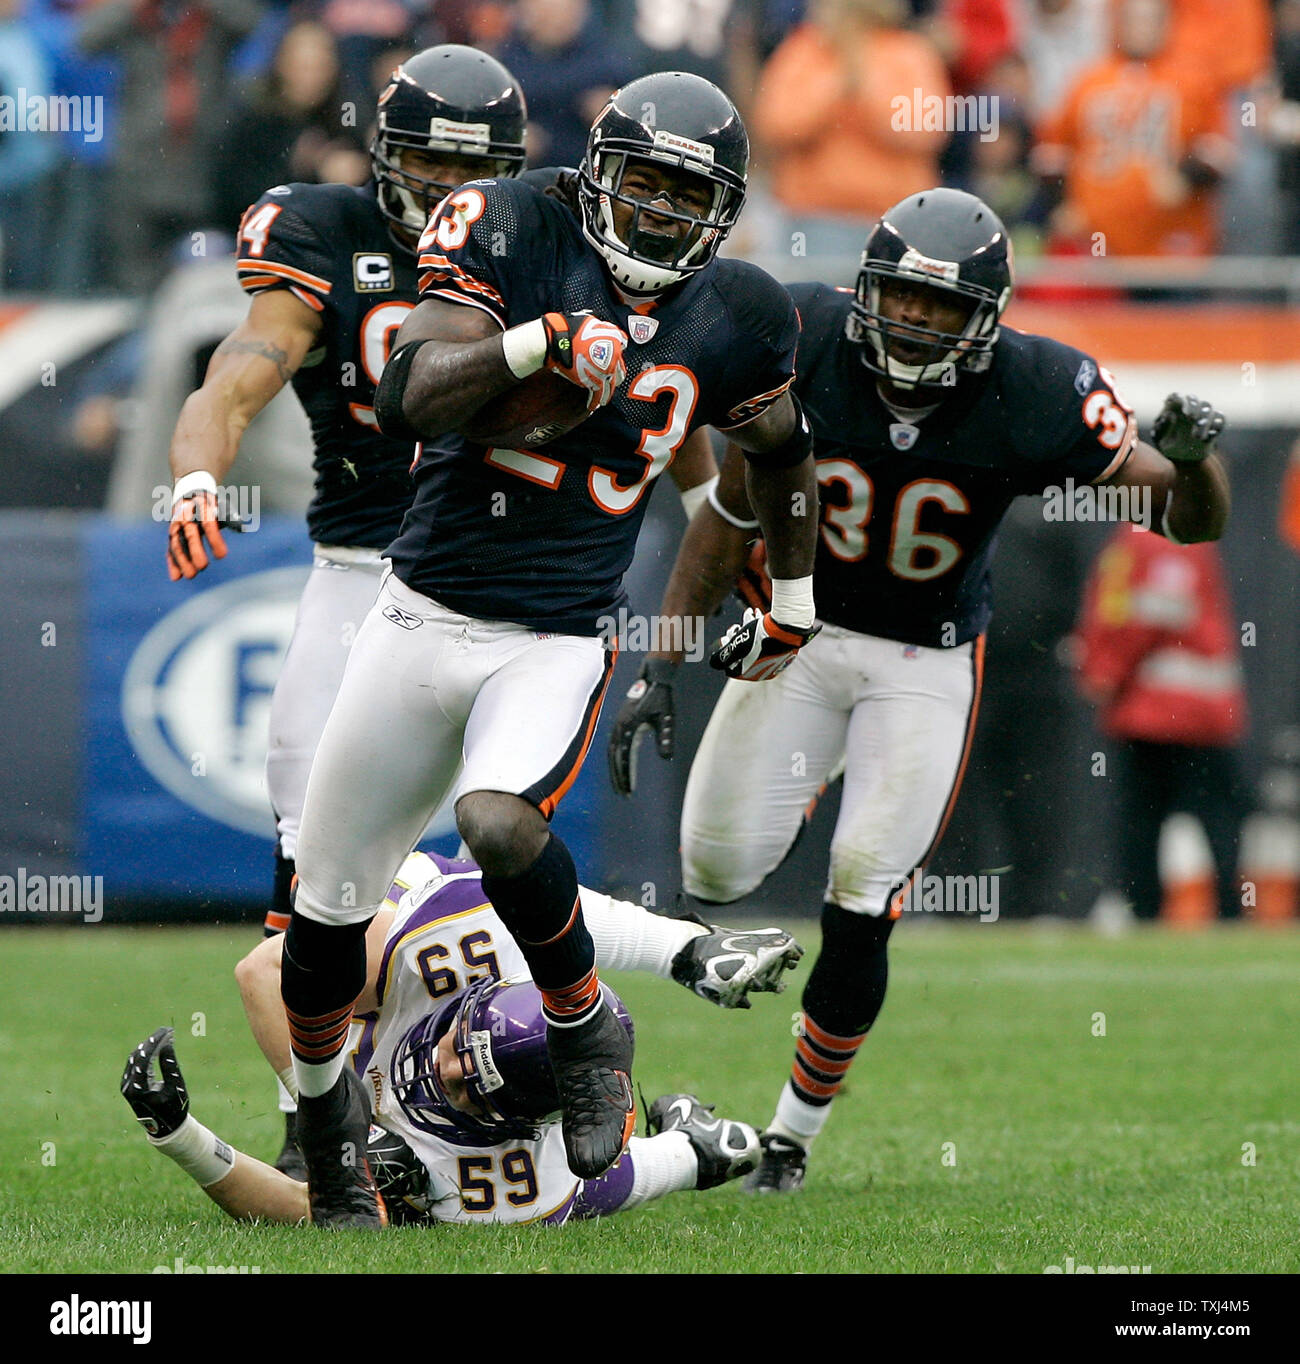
(682, 122)
(449, 99)
(948, 240)
(499, 1034)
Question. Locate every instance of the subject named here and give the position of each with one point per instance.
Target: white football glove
(759, 647)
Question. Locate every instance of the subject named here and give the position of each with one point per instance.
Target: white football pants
(339, 592)
(898, 718)
(425, 687)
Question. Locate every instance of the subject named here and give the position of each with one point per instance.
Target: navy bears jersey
(542, 537)
(910, 509)
(329, 245)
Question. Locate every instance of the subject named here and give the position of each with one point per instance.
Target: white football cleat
(725, 1149)
(724, 964)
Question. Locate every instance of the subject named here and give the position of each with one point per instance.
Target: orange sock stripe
(802, 1080)
(572, 919)
(309, 1021)
(574, 999)
(819, 1062)
(829, 1041)
(321, 1053)
(314, 1036)
(318, 1048)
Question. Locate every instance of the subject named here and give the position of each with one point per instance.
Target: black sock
(322, 972)
(540, 907)
(846, 988)
(277, 916)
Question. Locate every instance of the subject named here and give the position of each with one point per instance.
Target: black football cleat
(290, 1161)
(782, 1168)
(724, 965)
(153, 1085)
(592, 1065)
(724, 1148)
(332, 1132)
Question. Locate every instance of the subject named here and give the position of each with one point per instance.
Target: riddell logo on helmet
(480, 1043)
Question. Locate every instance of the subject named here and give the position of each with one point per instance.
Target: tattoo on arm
(279, 358)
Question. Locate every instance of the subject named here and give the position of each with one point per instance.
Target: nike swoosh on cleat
(683, 1106)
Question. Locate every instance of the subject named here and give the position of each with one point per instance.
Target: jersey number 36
(914, 554)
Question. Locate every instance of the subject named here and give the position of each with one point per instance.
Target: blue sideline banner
(177, 686)
(177, 693)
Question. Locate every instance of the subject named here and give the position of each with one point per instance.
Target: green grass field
(1169, 1141)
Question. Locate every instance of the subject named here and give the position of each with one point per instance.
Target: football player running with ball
(331, 271)
(484, 645)
(929, 419)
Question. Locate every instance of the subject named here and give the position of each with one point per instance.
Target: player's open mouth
(909, 352)
(660, 246)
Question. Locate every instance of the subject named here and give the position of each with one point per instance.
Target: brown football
(534, 411)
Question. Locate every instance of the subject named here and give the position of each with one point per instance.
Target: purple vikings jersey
(910, 508)
(444, 938)
(329, 245)
(542, 537)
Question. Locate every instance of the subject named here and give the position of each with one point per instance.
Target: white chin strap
(633, 275)
(911, 376)
(412, 212)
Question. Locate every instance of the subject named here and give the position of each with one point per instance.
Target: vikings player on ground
(929, 419)
(451, 1060)
(484, 644)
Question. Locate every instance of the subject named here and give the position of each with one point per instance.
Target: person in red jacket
(1158, 654)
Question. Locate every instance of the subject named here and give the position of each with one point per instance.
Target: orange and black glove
(194, 520)
(587, 352)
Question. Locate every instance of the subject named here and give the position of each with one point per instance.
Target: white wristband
(724, 513)
(792, 602)
(290, 1081)
(200, 1153)
(694, 498)
(200, 481)
(524, 348)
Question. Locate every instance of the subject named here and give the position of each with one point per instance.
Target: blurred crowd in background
(1170, 127)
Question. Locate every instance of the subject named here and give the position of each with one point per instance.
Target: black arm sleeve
(793, 450)
(388, 396)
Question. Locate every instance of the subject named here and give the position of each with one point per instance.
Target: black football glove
(1186, 429)
(649, 705)
(153, 1085)
(759, 647)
